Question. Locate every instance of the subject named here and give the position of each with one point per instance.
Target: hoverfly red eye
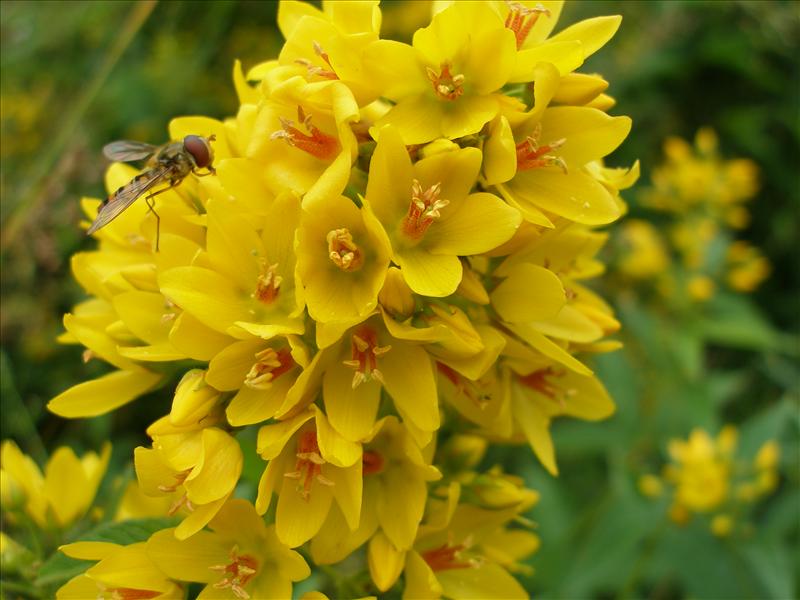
(199, 149)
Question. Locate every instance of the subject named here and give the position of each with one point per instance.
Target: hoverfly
(169, 164)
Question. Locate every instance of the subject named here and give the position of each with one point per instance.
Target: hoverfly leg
(211, 171)
(158, 219)
(151, 208)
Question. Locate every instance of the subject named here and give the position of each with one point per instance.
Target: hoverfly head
(200, 149)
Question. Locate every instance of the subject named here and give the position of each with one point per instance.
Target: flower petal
(428, 274)
(104, 394)
(591, 33)
(478, 223)
(576, 195)
(589, 133)
(351, 411)
(409, 379)
(207, 295)
(297, 520)
(529, 293)
(385, 561)
(535, 424)
(401, 504)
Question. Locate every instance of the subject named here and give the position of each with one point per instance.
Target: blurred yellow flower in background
(60, 496)
(706, 477)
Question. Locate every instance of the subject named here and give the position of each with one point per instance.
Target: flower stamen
(538, 381)
(365, 354)
(446, 85)
(268, 283)
(309, 465)
(521, 19)
(239, 571)
(179, 479)
(317, 71)
(343, 251)
(530, 155)
(447, 557)
(316, 142)
(423, 209)
(180, 502)
(270, 364)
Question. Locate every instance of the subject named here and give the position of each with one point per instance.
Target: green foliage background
(110, 70)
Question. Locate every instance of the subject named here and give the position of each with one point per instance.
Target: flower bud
(193, 400)
(395, 296)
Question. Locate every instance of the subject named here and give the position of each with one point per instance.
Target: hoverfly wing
(126, 150)
(127, 194)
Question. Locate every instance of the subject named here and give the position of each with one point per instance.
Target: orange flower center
(315, 142)
(365, 353)
(464, 386)
(270, 364)
(521, 19)
(130, 594)
(423, 209)
(268, 283)
(343, 251)
(530, 155)
(315, 70)
(538, 381)
(446, 85)
(308, 467)
(241, 569)
(371, 462)
(447, 557)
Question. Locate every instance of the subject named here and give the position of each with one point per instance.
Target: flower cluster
(705, 478)
(394, 245)
(702, 196)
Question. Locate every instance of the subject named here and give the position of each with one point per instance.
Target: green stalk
(32, 198)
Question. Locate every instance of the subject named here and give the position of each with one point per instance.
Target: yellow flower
(443, 86)
(368, 360)
(463, 551)
(239, 558)
(191, 459)
(301, 140)
(310, 465)
(121, 572)
(244, 284)
(264, 374)
(59, 497)
(341, 261)
(701, 473)
(747, 267)
(428, 214)
(395, 491)
(544, 394)
(539, 161)
(645, 255)
(326, 46)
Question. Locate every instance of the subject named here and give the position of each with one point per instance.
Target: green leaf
(59, 568)
(735, 321)
(769, 562)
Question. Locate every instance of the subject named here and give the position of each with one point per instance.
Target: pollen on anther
(423, 210)
(268, 283)
(446, 85)
(343, 251)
